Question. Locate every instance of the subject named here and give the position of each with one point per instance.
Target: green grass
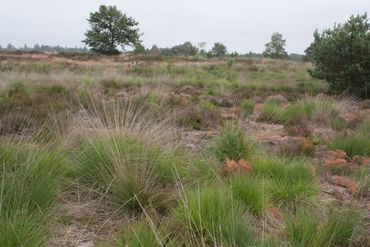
(30, 179)
(247, 107)
(292, 180)
(233, 143)
(357, 144)
(338, 229)
(270, 112)
(253, 193)
(318, 110)
(143, 233)
(302, 229)
(211, 217)
(131, 171)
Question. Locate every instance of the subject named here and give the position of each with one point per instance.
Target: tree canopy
(219, 50)
(111, 29)
(276, 47)
(341, 56)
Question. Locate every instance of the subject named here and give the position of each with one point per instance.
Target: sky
(242, 25)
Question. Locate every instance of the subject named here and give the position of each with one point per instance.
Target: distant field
(148, 151)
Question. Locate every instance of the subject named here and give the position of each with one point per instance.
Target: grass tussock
(357, 144)
(337, 229)
(292, 180)
(253, 193)
(129, 171)
(30, 179)
(212, 217)
(233, 143)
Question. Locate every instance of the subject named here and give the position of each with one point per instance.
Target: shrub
(211, 216)
(232, 144)
(346, 68)
(251, 192)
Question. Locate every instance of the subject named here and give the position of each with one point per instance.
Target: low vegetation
(172, 153)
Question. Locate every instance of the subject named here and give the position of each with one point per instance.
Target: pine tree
(276, 47)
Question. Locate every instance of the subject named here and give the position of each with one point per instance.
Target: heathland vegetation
(202, 149)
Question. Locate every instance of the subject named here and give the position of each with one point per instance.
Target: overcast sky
(242, 25)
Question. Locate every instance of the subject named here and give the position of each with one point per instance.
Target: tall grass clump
(145, 233)
(319, 110)
(30, 178)
(211, 217)
(270, 112)
(233, 143)
(358, 144)
(252, 192)
(247, 107)
(292, 180)
(129, 170)
(337, 229)
(302, 229)
(340, 228)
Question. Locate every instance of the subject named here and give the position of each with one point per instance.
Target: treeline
(186, 49)
(217, 51)
(44, 48)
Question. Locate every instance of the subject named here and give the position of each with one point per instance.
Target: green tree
(109, 29)
(276, 47)
(341, 56)
(139, 49)
(186, 49)
(219, 50)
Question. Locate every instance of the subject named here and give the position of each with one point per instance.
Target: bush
(211, 216)
(346, 69)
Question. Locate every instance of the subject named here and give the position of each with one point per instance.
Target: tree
(276, 47)
(186, 49)
(109, 28)
(219, 50)
(139, 49)
(342, 56)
